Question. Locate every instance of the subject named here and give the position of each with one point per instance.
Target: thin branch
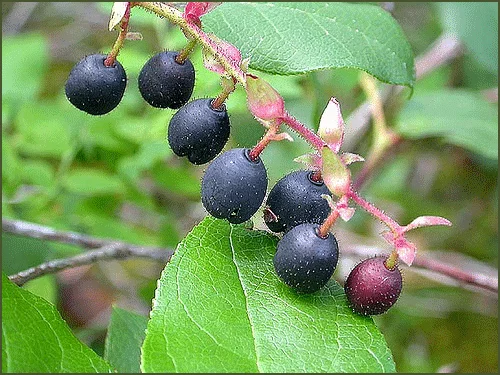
(445, 49)
(108, 252)
(466, 277)
(106, 249)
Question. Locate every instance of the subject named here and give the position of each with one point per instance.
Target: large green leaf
(36, 339)
(461, 117)
(220, 307)
(293, 38)
(476, 24)
(124, 339)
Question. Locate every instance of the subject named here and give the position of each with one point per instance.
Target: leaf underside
(219, 307)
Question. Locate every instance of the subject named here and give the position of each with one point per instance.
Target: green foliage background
(114, 176)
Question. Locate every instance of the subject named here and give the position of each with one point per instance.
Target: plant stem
(306, 133)
(383, 138)
(106, 248)
(221, 98)
(184, 53)
(110, 60)
(264, 141)
(374, 211)
(108, 252)
(324, 228)
(391, 261)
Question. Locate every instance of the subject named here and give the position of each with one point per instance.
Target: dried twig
(105, 249)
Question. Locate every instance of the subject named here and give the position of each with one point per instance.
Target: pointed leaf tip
(427, 221)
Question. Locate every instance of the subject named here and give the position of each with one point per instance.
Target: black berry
(164, 83)
(372, 288)
(95, 88)
(233, 186)
(198, 131)
(304, 260)
(296, 199)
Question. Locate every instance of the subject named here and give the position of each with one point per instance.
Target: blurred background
(114, 176)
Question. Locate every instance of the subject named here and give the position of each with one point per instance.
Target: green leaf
(24, 63)
(36, 339)
(293, 38)
(476, 24)
(220, 307)
(124, 339)
(92, 182)
(461, 117)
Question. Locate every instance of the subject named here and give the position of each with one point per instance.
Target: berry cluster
(300, 206)
(235, 183)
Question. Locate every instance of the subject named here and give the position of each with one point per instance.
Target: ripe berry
(304, 260)
(199, 131)
(372, 288)
(164, 83)
(95, 88)
(234, 186)
(296, 199)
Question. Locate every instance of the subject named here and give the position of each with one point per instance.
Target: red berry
(372, 288)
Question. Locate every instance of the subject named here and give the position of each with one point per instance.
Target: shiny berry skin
(304, 260)
(372, 288)
(164, 83)
(95, 88)
(233, 186)
(296, 199)
(198, 131)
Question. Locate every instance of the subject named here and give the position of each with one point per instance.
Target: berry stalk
(117, 46)
(268, 137)
(221, 98)
(324, 229)
(185, 52)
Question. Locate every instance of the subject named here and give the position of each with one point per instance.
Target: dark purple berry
(198, 131)
(372, 288)
(233, 186)
(304, 260)
(164, 83)
(296, 199)
(95, 88)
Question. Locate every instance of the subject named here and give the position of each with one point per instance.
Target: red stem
(324, 229)
(110, 60)
(264, 142)
(306, 133)
(374, 211)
